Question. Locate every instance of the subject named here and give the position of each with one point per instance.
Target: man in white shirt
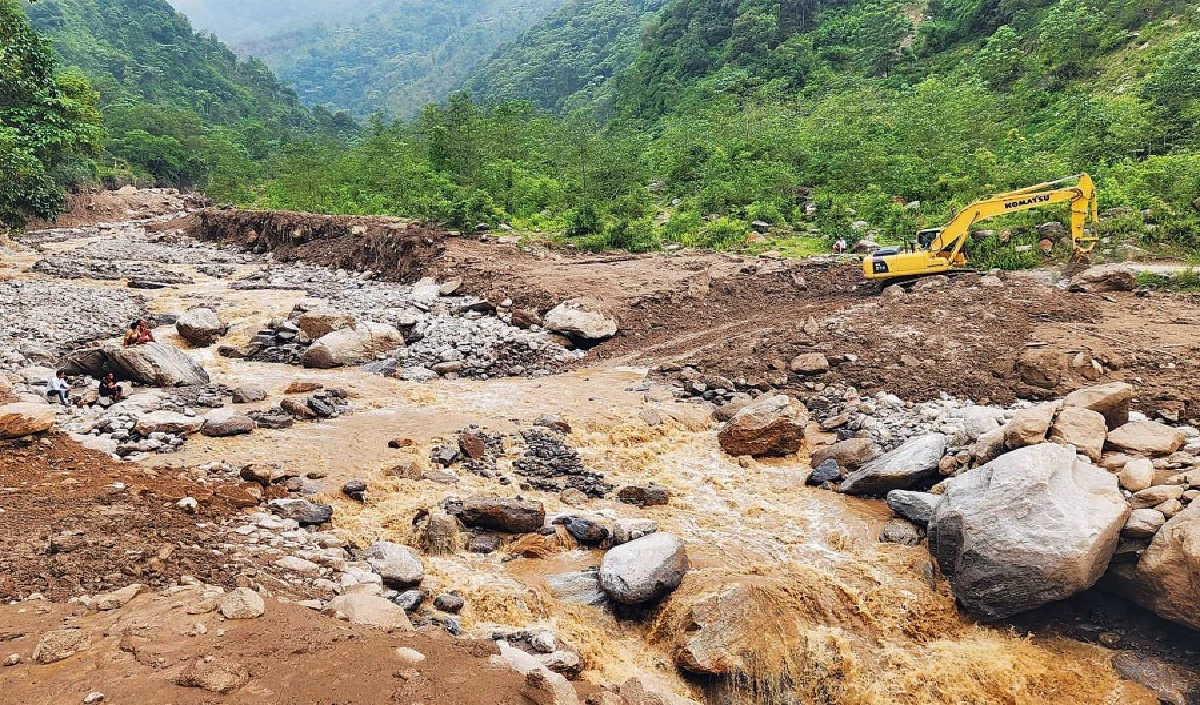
(57, 386)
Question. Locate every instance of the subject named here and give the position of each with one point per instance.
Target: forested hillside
(808, 115)
(570, 59)
(49, 126)
(179, 107)
(235, 21)
(390, 55)
(398, 57)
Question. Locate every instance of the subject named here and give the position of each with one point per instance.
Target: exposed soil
(75, 521)
(291, 657)
(864, 621)
(99, 206)
(744, 318)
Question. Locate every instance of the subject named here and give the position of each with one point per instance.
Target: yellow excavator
(940, 250)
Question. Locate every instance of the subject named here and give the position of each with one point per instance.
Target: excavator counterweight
(940, 250)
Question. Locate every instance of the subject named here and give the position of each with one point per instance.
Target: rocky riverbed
(430, 463)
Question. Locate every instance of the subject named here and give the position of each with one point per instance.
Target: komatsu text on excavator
(940, 250)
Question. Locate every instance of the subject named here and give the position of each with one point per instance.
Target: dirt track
(743, 319)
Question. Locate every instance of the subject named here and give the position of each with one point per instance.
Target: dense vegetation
(815, 115)
(823, 118)
(49, 125)
(392, 55)
(180, 109)
(570, 60)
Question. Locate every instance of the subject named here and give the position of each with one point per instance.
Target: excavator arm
(945, 252)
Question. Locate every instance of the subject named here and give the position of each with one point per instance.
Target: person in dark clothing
(109, 388)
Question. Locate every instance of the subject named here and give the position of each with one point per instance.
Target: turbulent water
(791, 597)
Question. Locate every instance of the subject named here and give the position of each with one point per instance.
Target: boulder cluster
(417, 332)
(1033, 504)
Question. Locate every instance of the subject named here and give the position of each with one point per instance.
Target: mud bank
(392, 248)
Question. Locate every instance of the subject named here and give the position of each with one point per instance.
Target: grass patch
(1184, 280)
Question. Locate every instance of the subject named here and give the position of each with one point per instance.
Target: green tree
(49, 122)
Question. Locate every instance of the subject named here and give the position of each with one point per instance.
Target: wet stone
(826, 471)
(550, 464)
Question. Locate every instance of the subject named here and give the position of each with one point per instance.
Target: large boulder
(900, 468)
(370, 610)
(581, 318)
(644, 569)
(1109, 277)
(155, 365)
(1167, 578)
(1146, 438)
(86, 361)
(769, 425)
(352, 346)
(1083, 428)
(222, 424)
(850, 453)
(499, 513)
(167, 422)
(25, 419)
(398, 565)
(1029, 426)
(980, 420)
(1112, 400)
(201, 327)
(316, 324)
(1033, 526)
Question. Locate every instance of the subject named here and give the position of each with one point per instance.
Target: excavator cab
(926, 237)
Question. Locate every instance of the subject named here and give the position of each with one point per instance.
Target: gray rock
(225, 425)
(581, 318)
(301, 510)
(917, 507)
(645, 569)
(398, 565)
(409, 600)
(200, 327)
(581, 587)
(825, 471)
(1143, 523)
(1031, 527)
(352, 346)
(449, 603)
(898, 469)
(626, 530)
(153, 364)
(979, 420)
(355, 490)
(242, 603)
(584, 530)
(248, 394)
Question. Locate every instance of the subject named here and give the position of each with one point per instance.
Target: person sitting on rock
(131, 335)
(145, 335)
(57, 386)
(110, 389)
(138, 334)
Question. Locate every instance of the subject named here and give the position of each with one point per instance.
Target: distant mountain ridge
(390, 55)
